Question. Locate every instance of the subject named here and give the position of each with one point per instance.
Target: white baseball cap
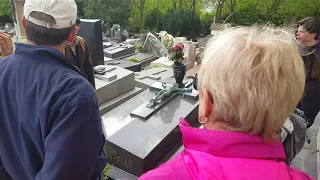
(63, 11)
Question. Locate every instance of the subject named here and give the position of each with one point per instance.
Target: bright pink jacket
(220, 155)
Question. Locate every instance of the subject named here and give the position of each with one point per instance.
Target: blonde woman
(250, 81)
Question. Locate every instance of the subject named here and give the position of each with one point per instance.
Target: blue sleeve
(74, 145)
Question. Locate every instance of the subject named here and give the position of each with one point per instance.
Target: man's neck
(58, 48)
(311, 43)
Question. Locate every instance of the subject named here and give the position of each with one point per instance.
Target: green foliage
(111, 11)
(156, 66)
(279, 12)
(152, 18)
(206, 21)
(106, 171)
(133, 60)
(5, 14)
(5, 8)
(80, 5)
(182, 22)
(248, 15)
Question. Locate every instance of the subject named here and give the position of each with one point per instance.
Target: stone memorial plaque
(146, 78)
(132, 66)
(91, 31)
(135, 145)
(119, 50)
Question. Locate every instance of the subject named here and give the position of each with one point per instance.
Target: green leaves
(5, 8)
(111, 11)
(106, 171)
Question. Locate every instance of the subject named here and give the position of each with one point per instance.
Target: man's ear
(23, 21)
(73, 34)
(314, 35)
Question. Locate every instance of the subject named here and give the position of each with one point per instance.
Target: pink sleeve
(299, 175)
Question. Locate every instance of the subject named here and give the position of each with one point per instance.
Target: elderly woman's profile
(250, 81)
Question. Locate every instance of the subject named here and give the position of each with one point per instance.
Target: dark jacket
(50, 128)
(79, 56)
(310, 103)
(294, 140)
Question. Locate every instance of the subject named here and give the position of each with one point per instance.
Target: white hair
(256, 78)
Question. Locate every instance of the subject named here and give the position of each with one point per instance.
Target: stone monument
(146, 78)
(119, 50)
(91, 31)
(114, 86)
(140, 138)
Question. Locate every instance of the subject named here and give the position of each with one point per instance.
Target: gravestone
(132, 66)
(114, 87)
(108, 30)
(91, 31)
(106, 44)
(136, 144)
(190, 53)
(116, 33)
(146, 78)
(163, 62)
(119, 50)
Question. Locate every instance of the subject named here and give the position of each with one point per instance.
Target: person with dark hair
(308, 36)
(49, 114)
(309, 31)
(77, 53)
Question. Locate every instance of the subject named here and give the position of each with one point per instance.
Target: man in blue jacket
(50, 127)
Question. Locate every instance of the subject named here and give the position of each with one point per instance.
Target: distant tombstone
(112, 34)
(8, 26)
(108, 29)
(116, 33)
(126, 34)
(91, 31)
(119, 35)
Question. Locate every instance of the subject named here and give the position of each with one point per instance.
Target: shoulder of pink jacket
(172, 170)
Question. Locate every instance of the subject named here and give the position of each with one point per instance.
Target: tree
(80, 6)
(140, 5)
(232, 6)
(5, 14)
(219, 8)
(111, 11)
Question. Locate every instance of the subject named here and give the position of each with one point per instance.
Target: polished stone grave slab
(132, 66)
(114, 82)
(146, 78)
(119, 50)
(135, 145)
(145, 113)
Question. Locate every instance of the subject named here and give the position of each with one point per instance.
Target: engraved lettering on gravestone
(166, 92)
(112, 154)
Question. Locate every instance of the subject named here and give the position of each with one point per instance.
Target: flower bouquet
(179, 69)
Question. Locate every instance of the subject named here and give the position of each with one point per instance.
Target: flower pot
(179, 71)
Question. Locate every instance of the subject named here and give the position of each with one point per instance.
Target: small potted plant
(179, 69)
